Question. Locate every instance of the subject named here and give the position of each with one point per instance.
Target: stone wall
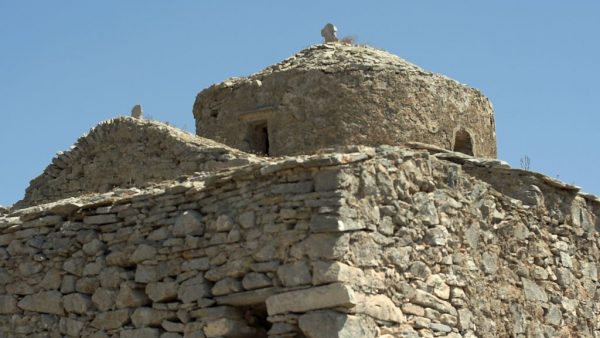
(462, 259)
(128, 152)
(380, 242)
(337, 95)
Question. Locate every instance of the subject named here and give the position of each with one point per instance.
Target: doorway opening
(258, 137)
(463, 142)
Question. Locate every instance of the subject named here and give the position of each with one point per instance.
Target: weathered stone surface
(8, 304)
(256, 280)
(141, 333)
(143, 252)
(226, 327)
(226, 286)
(252, 297)
(193, 289)
(70, 327)
(397, 91)
(379, 307)
(294, 274)
(77, 303)
(101, 219)
(487, 257)
(146, 316)
(333, 223)
(171, 326)
(129, 298)
(148, 273)
(93, 247)
(149, 151)
(217, 312)
(247, 219)
(533, 292)
(111, 320)
(328, 324)
(330, 272)
(428, 300)
(87, 285)
(188, 223)
(45, 302)
(160, 292)
(320, 297)
(104, 298)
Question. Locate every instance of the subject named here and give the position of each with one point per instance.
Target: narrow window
(463, 142)
(258, 137)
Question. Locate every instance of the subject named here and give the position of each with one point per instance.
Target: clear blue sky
(67, 65)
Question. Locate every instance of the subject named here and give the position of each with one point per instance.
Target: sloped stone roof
(124, 152)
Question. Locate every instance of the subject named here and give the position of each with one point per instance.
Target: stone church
(343, 192)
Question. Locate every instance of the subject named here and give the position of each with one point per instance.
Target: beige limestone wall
(335, 94)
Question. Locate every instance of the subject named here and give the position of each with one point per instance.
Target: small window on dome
(258, 137)
(463, 142)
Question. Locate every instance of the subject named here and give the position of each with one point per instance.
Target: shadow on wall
(463, 142)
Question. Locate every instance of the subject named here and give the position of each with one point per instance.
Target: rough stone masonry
(142, 230)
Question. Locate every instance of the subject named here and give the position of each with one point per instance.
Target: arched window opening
(463, 142)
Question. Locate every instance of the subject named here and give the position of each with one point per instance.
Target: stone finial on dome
(137, 111)
(328, 32)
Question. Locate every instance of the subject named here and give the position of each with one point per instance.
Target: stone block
(104, 298)
(193, 289)
(428, 300)
(149, 273)
(100, 219)
(111, 320)
(147, 316)
(140, 333)
(93, 247)
(331, 324)
(8, 304)
(256, 280)
(247, 219)
(246, 298)
(321, 297)
(188, 223)
(70, 327)
(334, 223)
(143, 252)
(226, 327)
(533, 292)
(379, 307)
(45, 302)
(226, 286)
(128, 297)
(213, 313)
(160, 292)
(171, 326)
(330, 272)
(294, 274)
(77, 303)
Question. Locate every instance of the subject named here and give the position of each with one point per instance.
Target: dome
(338, 94)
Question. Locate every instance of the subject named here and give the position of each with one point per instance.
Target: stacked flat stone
(371, 242)
(127, 152)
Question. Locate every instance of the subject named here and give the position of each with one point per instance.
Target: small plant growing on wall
(525, 162)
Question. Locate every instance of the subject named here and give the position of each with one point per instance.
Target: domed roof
(338, 94)
(337, 57)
